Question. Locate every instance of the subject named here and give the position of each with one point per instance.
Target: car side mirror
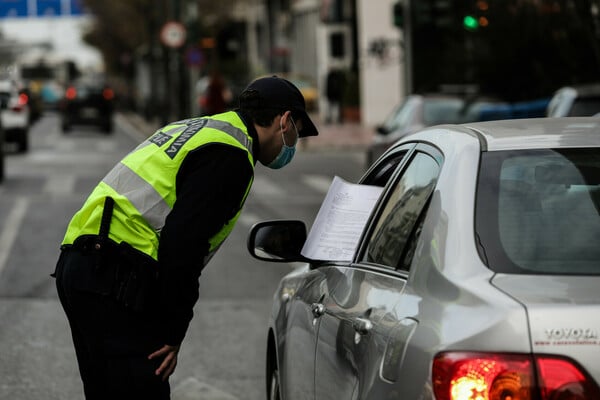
(277, 241)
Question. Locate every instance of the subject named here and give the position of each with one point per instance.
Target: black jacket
(211, 184)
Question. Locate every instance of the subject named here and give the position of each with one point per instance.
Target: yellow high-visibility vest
(143, 183)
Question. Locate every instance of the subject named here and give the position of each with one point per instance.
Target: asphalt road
(223, 355)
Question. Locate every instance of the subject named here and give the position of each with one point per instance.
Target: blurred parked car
(34, 102)
(421, 110)
(575, 101)
(14, 114)
(475, 277)
(88, 103)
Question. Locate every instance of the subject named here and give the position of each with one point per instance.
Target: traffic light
(398, 14)
(470, 23)
(478, 18)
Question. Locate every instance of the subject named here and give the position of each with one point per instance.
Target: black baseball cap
(279, 93)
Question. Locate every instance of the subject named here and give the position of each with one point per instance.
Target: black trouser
(112, 342)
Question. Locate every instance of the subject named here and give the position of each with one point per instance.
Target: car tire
(23, 144)
(66, 128)
(107, 127)
(1, 155)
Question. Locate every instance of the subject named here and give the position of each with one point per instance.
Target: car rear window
(585, 106)
(538, 211)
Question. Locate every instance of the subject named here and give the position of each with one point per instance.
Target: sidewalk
(350, 136)
(338, 136)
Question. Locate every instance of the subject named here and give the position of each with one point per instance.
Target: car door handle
(317, 309)
(362, 326)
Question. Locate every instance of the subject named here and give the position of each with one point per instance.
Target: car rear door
(353, 356)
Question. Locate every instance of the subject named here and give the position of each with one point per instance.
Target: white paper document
(340, 221)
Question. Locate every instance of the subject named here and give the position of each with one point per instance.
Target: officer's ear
(285, 120)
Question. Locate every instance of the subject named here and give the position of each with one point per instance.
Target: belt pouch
(93, 268)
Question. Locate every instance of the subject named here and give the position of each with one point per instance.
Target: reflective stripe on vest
(190, 128)
(143, 196)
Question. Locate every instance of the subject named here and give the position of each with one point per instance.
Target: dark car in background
(88, 103)
(14, 114)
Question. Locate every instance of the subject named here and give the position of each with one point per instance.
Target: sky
(64, 33)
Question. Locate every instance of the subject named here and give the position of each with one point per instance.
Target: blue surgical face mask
(287, 152)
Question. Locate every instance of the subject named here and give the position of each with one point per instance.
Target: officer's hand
(167, 367)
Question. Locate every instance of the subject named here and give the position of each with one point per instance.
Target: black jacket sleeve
(211, 185)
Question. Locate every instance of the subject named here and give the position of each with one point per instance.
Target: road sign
(194, 57)
(41, 8)
(13, 9)
(48, 8)
(173, 34)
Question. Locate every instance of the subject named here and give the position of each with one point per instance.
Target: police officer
(127, 275)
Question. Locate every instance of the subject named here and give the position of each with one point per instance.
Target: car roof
(533, 133)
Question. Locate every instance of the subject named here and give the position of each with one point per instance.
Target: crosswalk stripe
(60, 184)
(12, 228)
(106, 146)
(266, 188)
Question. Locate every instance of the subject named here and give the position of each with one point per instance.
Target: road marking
(192, 389)
(106, 146)
(266, 188)
(66, 146)
(318, 182)
(60, 185)
(11, 229)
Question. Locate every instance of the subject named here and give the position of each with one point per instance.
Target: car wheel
(274, 387)
(66, 127)
(1, 155)
(107, 127)
(23, 145)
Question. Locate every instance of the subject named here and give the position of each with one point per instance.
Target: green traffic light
(470, 23)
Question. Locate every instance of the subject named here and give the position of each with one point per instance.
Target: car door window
(400, 219)
(380, 174)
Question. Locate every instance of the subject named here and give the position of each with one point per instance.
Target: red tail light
(481, 376)
(108, 94)
(21, 103)
(71, 93)
(23, 99)
(561, 379)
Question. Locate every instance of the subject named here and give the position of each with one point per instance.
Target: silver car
(476, 277)
(418, 111)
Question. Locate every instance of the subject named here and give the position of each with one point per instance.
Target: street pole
(174, 105)
(408, 49)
